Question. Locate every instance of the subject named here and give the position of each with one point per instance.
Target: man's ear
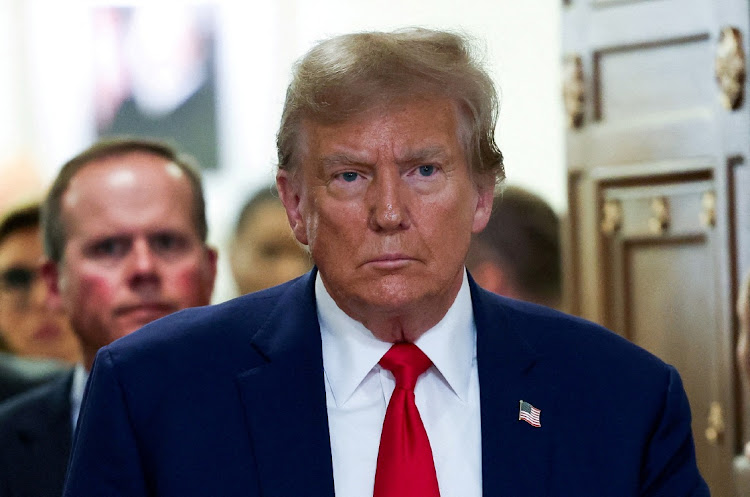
(50, 274)
(485, 197)
(289, 190)
(212, 258)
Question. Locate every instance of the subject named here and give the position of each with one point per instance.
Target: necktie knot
(407, 363)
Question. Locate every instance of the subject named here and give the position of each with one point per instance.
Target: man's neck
(404, 323)
(407, 327)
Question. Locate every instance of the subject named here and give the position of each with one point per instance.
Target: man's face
(132, 253)
(28, 326)
(265, 253)
(387, 203)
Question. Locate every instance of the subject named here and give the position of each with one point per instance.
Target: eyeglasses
(16, 282)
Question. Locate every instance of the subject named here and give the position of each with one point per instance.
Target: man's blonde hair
(350, 74)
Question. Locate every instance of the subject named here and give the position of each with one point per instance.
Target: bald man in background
(125, 233)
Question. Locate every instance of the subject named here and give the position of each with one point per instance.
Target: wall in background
(46, 105)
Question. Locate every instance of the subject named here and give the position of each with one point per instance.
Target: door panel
(661, 268)
(646, 81)
(656, 234)
(672, 324)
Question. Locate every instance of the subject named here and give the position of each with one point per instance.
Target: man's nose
(143, 263)
(388, 201)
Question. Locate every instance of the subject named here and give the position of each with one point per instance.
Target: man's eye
(349, 176)
(110, 247)
(166, 242)
(426, 170)
(17, 278)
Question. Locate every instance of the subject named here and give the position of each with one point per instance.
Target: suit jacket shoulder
(230, 400)
(614, 418)
(35, 440)
(544, 333)
(223, 400)
(219, 338)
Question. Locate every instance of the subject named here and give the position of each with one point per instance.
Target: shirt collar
(350, 351)
(80, 375)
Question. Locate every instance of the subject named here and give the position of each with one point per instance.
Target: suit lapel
(515, 455)
(285, 402)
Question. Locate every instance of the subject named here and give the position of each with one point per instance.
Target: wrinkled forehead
(376, 111)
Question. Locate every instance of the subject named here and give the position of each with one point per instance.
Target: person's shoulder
(201, 333)
(34, 404)
(18, 375)
(552, 333)
(206, 348)
(578, 362)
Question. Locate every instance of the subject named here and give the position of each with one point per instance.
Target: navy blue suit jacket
(229, 400)
(35, 438)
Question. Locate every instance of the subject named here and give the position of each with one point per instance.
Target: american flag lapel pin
(530, 414)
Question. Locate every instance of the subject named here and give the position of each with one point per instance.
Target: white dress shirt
(80, 375)
(358, 391)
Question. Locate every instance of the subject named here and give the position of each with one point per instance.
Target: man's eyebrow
(108, 237)
(341, 159)
(435, 152)
(407, 156)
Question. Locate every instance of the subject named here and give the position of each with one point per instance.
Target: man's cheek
(97, 292)
(185, 284)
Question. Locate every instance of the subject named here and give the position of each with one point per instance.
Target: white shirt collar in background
(80, 375)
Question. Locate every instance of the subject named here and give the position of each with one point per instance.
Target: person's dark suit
(35, 440)
(230, 400)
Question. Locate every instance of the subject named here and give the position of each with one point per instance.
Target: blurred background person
(125, 235)
(263, 251)
(518, 253)
(28, 326)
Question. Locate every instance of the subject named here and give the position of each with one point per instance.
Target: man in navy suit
(124, 229)
(385, 368)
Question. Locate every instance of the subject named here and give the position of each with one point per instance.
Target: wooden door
(654, 243)
(661, 291)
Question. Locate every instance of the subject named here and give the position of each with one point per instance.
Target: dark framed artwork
(155, 76)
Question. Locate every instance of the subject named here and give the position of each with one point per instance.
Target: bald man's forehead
(124, 170)
(128, 180)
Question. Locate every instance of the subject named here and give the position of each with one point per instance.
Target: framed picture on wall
(155, 75)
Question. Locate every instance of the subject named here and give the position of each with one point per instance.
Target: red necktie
(405, 466)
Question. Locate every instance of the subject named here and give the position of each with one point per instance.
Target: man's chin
(137, 321)
(392, 293)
